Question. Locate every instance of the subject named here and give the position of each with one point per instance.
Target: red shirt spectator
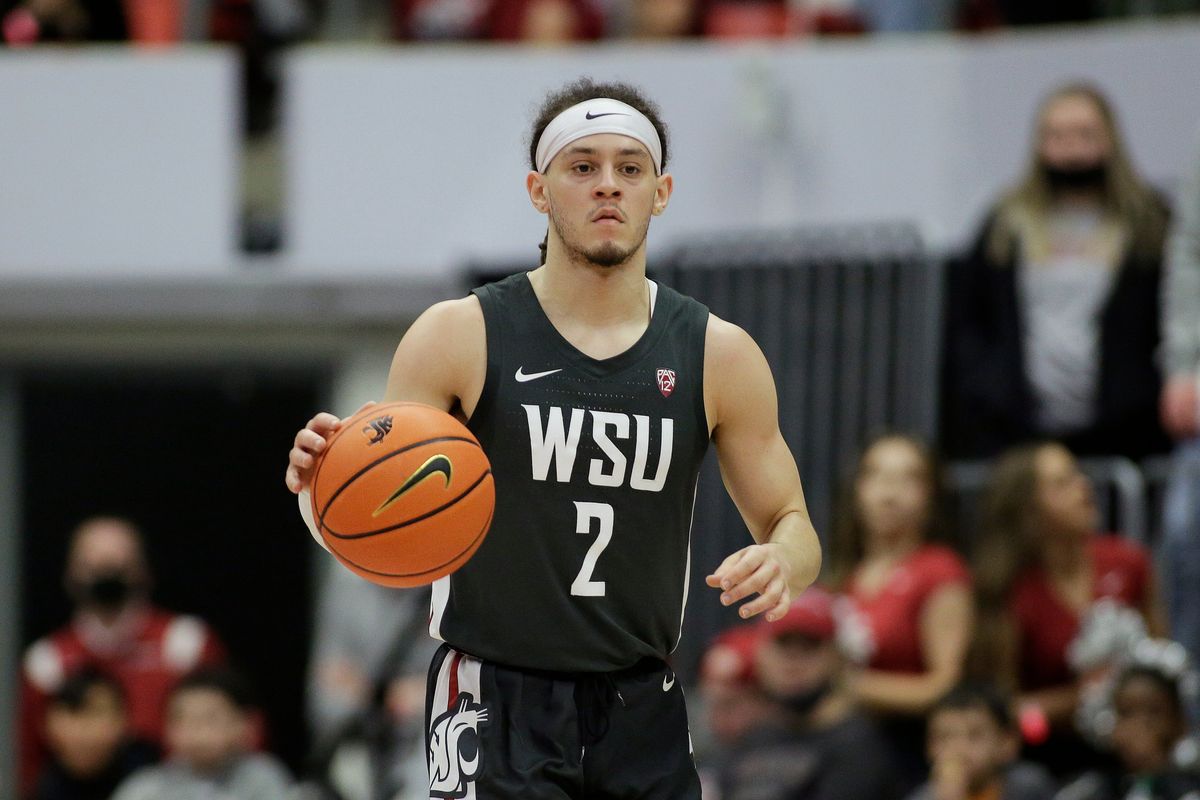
(1046, 624)
(543, 21)
(499, 20)
(114, 629)
(892, 615)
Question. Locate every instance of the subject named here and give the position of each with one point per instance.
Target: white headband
(601, 115)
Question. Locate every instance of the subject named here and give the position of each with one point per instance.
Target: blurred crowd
(1021, 651)
(160, 22)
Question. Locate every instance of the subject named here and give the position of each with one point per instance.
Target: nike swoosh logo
(590, 115)
(435, 464)
(523, 377)
(667, 684)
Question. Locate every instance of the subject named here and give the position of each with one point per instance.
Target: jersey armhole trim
(702, 409)
(493, 345)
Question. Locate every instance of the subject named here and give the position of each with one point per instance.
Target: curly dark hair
(583, 89)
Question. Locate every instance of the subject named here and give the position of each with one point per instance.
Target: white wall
(405, 162)
(409, 161)
(117, 162)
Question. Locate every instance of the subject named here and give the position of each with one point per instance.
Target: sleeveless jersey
(586, 565)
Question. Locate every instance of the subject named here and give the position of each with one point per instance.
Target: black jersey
(595, 461)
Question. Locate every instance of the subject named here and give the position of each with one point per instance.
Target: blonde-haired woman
(1052, 319)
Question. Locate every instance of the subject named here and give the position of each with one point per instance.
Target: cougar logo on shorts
(454, 748)
(666, 381)
(377, 428)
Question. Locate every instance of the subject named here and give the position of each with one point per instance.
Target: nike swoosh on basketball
(590, 115)
(667, 684)
(523, 376)
(435, 464)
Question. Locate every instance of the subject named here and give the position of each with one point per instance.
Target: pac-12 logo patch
(666, 381)
(454, 753)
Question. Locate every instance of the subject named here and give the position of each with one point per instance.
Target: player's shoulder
(459, 311)
(449, 321)
(726, 342)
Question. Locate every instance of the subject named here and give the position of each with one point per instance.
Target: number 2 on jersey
(583, 585)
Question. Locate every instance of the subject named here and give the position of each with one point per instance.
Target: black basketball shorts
(498, 733)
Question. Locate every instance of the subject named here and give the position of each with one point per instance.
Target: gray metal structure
(849, 320)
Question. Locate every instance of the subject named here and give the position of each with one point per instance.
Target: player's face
(1064, 494)
(600, 193)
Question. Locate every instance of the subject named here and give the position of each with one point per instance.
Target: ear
(535, 184)
(662, 193)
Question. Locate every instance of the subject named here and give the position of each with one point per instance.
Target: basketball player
(594, 393)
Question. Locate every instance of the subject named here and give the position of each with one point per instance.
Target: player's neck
(593, 295)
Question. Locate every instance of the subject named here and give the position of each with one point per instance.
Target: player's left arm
(761, 476)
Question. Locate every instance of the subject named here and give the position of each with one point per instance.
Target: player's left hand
(758, 569)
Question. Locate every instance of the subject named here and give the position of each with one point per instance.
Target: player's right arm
(440, 361)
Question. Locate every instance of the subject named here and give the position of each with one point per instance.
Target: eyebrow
(591, 151)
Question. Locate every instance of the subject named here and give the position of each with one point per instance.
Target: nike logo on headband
(590, 115)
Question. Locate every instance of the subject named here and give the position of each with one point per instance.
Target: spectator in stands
(666, 19)
(910, 606)
(732, 696)
(1180, 409)
(973, 747)
(210, 734)
(87, 730)
(1052, 319)
(436, 20)
(908, 16)
(114, 628)
(732, 703)
(28, 22)
(815, 744)
(1042, 572)
(543, 21)
(1150, 721)
(534, 21)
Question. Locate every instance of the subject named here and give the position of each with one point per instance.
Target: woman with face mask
(1052, 318)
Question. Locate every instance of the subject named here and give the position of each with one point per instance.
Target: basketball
(403, 494)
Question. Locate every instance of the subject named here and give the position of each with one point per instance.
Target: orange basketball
(403, 494)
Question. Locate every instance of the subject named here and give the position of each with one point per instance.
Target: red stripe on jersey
(453, 694)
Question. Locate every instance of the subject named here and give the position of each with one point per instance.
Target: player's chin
(609, 255)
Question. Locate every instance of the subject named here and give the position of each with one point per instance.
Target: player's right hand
(310, 442)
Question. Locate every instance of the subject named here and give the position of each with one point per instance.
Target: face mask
(1076, 178)
(109, 591)
(804, 702)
